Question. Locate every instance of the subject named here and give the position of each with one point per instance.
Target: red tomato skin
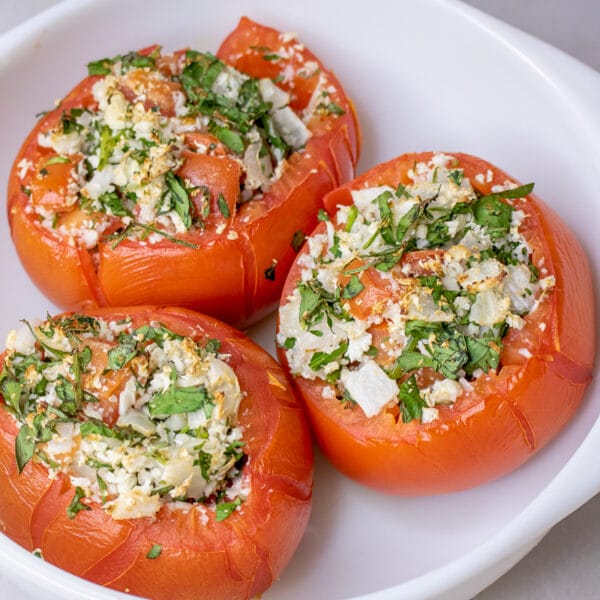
(237, 558)
(239, 292)
(509, 416)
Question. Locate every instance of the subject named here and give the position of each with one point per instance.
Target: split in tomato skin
(253, 242)
(168, 554)
(510, 413)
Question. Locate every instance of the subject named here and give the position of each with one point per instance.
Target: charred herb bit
(297, 240)
(270, 272)
(76, 505)
(225, 509)
(411, 403)
(154, 552)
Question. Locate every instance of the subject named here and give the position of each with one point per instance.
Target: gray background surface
(565, 564)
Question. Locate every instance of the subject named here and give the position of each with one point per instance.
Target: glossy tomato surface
(238, 557)
(509, 414)
(234, 266)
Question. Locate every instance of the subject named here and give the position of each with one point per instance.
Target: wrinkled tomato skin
(237, 277)
(509, 415)
(237, 558)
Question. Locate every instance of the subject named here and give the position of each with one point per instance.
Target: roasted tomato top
(183, 157)
(161, 425)
(430, 294)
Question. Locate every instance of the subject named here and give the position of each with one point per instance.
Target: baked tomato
(154, 451)
(440, 327)
(187, 179)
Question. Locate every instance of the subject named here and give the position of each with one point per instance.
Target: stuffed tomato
(154, 451)
(439, 326)
(186, 179)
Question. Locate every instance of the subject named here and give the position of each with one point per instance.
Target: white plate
(424, 76)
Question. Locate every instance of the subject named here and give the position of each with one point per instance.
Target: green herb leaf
(57, 160)
(321, 359)
(114, 204)
(177, 400)
(484, 352)
(100, 67)
(289, 343)
(518, 192)
(24, 446)
(228, 137)
(179, 198)
(223, 206)
(204, 461)
(352, 214)
(154, 552)
(96, 427)
(352, 288)
(409, 361)
(213, 346)
(107, 146)
(225, 509)
(456, 175)
(76, 505)
(334, 109)
(119, 356)
(402, 191)
(449, 356)
(411, 403)
(11, 392)
(493, 214)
